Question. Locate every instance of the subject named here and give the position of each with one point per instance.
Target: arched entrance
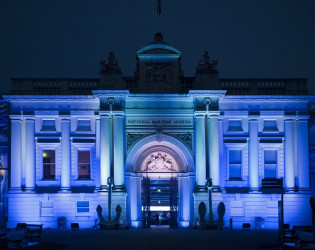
(159, 173)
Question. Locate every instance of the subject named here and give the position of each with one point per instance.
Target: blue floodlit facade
(68, 136)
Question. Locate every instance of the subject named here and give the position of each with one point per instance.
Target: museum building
(157, 138)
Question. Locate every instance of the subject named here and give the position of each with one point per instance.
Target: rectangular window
(83, 206)
(49, 164)
(235, 125)
(270, 126)
(235, 164)
(48, 125)
(270, 163)
(84, 125)
(84, 165)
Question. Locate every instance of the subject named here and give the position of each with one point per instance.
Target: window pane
(48, 125)
(84, 164)
(48, 156)
(270, 125)
(49, 164)
(235, 125)
(235, 171)
(271, 171)
(84, 156)
(270, 156)
(235, 156)
(84, 125)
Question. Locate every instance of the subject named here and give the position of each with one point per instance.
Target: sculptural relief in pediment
(159, 162)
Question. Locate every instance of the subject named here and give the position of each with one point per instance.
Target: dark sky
(68, 38)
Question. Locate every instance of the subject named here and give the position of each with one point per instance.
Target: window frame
(55, 163)
(40, 147)
(83, 147)
(235, 146)
(270, 146)
(78, 164)
(83, 119)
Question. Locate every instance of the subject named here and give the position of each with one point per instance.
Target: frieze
(159, 122)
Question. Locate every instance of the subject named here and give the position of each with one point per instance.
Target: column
(16, 153)
(97, 151)
(105, 152)
(200, 151)
(30, 154)
(302, 154)
(118, 150)
(135, 202)
(65, 153)
(289, 176)
(253, 154)
(184, 201)
(213, 133)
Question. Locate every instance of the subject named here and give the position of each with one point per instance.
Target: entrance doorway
(159, 202)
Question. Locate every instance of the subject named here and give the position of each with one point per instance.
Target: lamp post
(110, 184)
(209, 185)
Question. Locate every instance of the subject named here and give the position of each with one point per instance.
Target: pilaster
(65, 153)
(16, 153)
(30, 154)
(253, 153)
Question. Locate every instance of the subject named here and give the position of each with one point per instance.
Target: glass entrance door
(159, 202)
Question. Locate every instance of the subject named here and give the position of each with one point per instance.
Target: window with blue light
(84, 125)
(84, 171)
(270, 163)
(270, 126)
(235, 164)
(83, 206)
(48, 125)
(49, 162)
(235, 126)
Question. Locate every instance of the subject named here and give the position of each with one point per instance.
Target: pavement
(158, 239)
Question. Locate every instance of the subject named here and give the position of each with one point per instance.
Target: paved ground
(157, 239)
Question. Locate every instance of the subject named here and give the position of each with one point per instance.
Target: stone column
(65, 153)
(30, 154)
(105, 152)
(184, 201)
(213, 133)
(253, 154)
(16, 153)
(97, 151)
(135, 201)
(289, 176)
(302, 153)
(118, 150)
(200, 150)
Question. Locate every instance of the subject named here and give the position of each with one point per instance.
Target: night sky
(68, 38)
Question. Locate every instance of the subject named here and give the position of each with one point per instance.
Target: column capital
(29, 118)
(289, 118)
(302, 118)
(199, 114)
(119, 114)
(15, 117)
(65, 118)
(104, 114)
(213, 114)
(253, 119)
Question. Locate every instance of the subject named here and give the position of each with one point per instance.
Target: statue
(206, 58)
(111, 59)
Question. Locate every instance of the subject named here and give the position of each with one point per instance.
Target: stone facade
(194, 128)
